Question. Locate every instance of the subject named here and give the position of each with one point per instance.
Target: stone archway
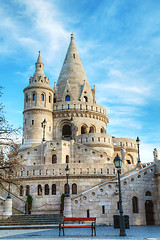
(149, 212)
(66, 131)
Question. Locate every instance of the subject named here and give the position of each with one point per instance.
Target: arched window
(27, 190)
(49, 98)
(135, 205)
(42, 97)
(39, 190)
(102, 130)
(54, 100)
(129, 159)
(85, 99)
(26, 98)
(74, 188)
(148, 193)
(83, 129)
(54, 159)
(92, 129)
(21, 191)
(46, 189)
(34, 97)
(66, 131)
(53, 189)
(67, 98)
(65, 189)
(67, 158)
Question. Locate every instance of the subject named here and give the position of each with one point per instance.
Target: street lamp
(118, 163)
(138, 143)
(43, 126)
(67, 174)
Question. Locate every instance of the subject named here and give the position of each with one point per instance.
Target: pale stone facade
(75, 133)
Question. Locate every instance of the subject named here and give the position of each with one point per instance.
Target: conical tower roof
(72, 73)
(39, 76)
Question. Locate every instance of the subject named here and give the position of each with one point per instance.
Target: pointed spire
(73, 72)
(39, 66)
(39, 60)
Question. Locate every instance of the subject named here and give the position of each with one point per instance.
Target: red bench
(81, 224)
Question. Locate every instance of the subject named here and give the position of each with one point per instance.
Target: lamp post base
(67, 207)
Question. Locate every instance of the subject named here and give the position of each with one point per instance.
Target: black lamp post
(118, 163)
(67, 174)
(44, 126)
(138, 143)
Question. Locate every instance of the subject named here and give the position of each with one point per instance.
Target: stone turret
(38, 105)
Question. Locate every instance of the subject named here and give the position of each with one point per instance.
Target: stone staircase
(31, 221)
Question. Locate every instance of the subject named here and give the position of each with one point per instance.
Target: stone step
(45, 219)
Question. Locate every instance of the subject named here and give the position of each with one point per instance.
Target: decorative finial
(72, 36)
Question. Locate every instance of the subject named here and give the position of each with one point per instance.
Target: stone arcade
(66, 125)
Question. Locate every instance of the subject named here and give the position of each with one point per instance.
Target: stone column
(67, 207)
(7, 208)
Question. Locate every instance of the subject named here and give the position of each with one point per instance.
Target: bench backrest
(80, 219)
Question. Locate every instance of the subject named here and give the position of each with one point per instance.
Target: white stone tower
(38, 105)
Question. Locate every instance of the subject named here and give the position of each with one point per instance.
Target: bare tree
(9, 149)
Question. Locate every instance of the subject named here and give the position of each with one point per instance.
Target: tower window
(55, 100)
(85, 99)
(34, 97)
(74, 55)
(26, 98)
(42, 97)
(67, 98)
(32, 122)
(49, 99)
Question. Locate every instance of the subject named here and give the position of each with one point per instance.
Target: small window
(67, 159)
(42, 97)
(39, 190)
(88, 215)
(27, 190)
(46, 189)
(74, 188)
(103, 209)
(49, 98)
(34, 97)
(135, 204)
(53, 189)
(26, 98)
(21, 191)
(67, 98)
(32, 122)
(74, 55)
(54, 159)
(65, 188)
(55, 100)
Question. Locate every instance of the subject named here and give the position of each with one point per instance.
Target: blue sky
(119, 45)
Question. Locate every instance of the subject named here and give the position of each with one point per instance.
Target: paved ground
(134, 233)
